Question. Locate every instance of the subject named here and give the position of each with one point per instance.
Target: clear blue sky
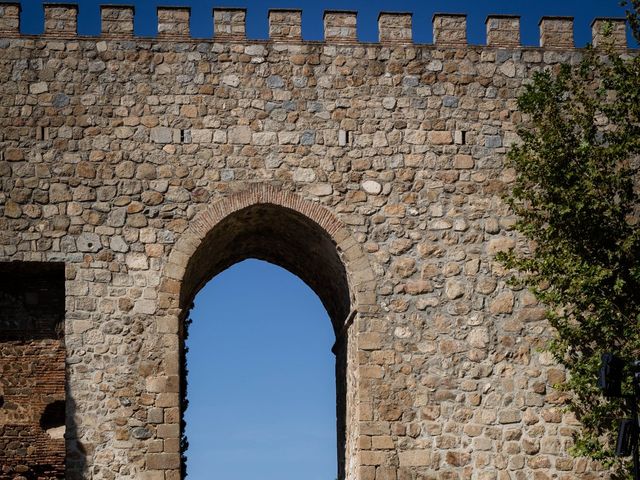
(261, 374)
(261, 379)
(202, 24)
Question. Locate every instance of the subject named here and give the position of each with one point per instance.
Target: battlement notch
(285, 24)
(340, 25)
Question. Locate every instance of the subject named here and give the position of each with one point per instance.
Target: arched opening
(261, 380)
(286, 238)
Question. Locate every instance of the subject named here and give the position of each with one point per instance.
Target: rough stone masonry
(135, 169)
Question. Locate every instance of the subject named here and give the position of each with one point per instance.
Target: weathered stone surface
(374, 171)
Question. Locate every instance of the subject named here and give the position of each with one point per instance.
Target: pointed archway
(298, 235)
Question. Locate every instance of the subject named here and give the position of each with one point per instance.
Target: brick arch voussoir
(360, 276)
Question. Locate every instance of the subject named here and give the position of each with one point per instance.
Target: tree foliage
(576, 197)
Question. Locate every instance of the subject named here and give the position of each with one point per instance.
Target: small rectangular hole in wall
(42, 133)
(345, 137)
(460, 137)
(185, 136)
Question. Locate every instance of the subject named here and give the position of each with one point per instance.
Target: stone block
(240, 135)
(163, 461)
(152, 475)
(168, 430)
(443, 137)
(415, 458)
(161, 135)
(368, 457)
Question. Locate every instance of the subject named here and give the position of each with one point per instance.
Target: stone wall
(128, 158)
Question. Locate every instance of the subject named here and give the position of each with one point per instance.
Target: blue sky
(261, 381)
(202, 24)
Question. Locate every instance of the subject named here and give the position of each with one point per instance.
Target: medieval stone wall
(125, 158)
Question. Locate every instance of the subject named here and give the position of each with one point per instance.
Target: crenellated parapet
(609, 31)
(449, 29)
(503, 30)
(229, 23)
(556, 32)
(340, 26)
(285, 24)
(9, 18)
(60, 19)
(394, 27)
(173, 22)
(117, 20)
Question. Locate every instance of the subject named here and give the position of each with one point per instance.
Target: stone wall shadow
(76, 455)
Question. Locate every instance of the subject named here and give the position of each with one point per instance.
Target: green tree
(576, 196)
